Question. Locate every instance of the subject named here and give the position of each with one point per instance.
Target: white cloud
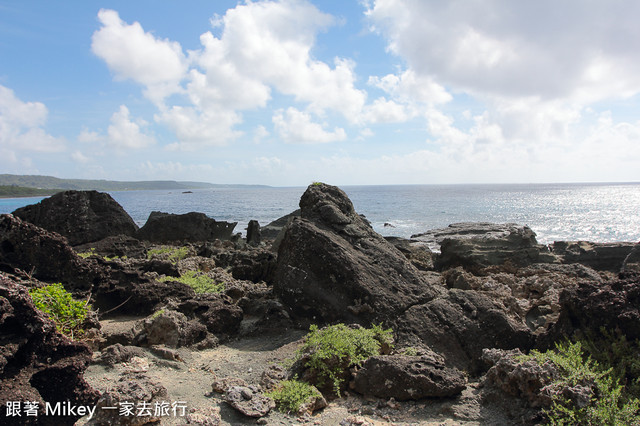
(296, 126)
(260, 133)
(132, 53)
(79, 157)
(383, 110)
(554, 50)
(21, 125)
(126, 134)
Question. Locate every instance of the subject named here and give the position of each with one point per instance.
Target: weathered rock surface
(525, 380)
(254, 235)
(591, 306)
(138, 390)
(272, 230)
(418, 253)
(215, 311)
(481, 244)
(115, 246)
(190, 227)
(408, 377)
(43, 254)
(249, 401)
(334, 267)
(80, 216)
(599, 256)
(252, 263)
(117, 353)
(461, 324)
(170, 328)
(36, 363)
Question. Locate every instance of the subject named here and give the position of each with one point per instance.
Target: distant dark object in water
(389, 225)
(187, 192)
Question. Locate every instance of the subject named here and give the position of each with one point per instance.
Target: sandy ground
(190, 380)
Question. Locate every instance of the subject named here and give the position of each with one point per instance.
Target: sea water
(593, 212)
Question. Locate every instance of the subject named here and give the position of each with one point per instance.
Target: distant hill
(57, 184)
(21, 191)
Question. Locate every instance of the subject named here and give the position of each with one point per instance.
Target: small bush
(67, 313)
(174, 253)
(332, 350)
(87, 254)
(290, 395)
(608, 405)
(199, 282)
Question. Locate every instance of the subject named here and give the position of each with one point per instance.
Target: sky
(290, 92)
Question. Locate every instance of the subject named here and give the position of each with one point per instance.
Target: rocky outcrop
(479, 244)
(416, 252)
(589, 307)
(36, 363)
(164, 228)
(253, 233)
(169, 328)
(272, 230)
(332, 266)
(408, 377)
(42, 254)
(120, 246)
(599, 256)
(217, 312)
(460, 325)
(80, 216)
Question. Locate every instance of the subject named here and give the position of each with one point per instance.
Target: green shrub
(609, 404)
(332, 350)
(290, 395)
(175, 253)
(87, 254)
(200, 283)
(67, 313)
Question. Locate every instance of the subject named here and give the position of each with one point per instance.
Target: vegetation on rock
(332, 350)
(586, 392)
(67, 313)
(290, 395)
(174, 254)
(200, 283)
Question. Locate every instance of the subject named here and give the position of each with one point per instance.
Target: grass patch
(174, 253)
(290, 395)
(67, 313)
(609, 404)
(332, 350)
(200, 283)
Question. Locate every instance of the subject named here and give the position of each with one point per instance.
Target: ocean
(593, 212)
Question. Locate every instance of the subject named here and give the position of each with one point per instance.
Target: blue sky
(289, 92)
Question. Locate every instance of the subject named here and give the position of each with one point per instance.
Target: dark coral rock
(37, 363)
(190, 227)
(80, 216)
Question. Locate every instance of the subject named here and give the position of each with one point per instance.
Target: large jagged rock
(599, 256)
(37, 363)
(408, 377)
(332, 265)
(418, 253)
(167, 228)
(80, 216)
(590, 307)
(476, 245)
(44, 255)
(460, 325)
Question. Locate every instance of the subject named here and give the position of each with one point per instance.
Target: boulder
(408, 377)
(165, 228)
(121, 246)
(43, 254)
(252, 264)
(249, 401)
(80, 216)
(460, 324)
(477, 245)
(170, 328)
(37, 363)
(117, 353)
(332, 266)
(272, 230)
(217, 312)
(253, 233)
(599, 256)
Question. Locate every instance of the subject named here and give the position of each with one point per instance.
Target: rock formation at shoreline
(490, 294)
